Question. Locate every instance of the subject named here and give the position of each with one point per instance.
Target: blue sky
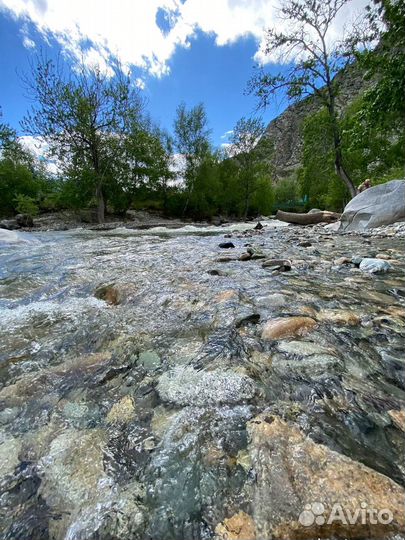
(178, 50)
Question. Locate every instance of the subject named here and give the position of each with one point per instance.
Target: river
(132, 362)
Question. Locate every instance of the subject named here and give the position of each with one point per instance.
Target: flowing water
(130, 363)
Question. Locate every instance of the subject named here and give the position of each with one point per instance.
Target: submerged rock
(187, 386)
(9, 449)
(121, 412)
(238, 527)
(119, 516)
(226, 245)
(375, 266)
(73, 470)
(338, 316)
(280, 328)
(304, 490)
(283, 265)
(108, 293)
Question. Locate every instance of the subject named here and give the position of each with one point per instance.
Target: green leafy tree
(314, 63)
(79, 115)
(192, 141)
(386, 62)
(375, 127)
(318, 181)
(22, 176)
(251, 150)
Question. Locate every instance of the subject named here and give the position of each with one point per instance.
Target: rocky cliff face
(286, 130)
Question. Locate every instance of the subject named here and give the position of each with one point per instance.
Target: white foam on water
(14, 237)
(71, 308)
(193, 229)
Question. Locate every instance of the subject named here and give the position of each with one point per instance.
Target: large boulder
(24, 220)
(304, 490)
(377, 206)
(9, 224)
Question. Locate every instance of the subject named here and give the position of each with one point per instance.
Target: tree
(382, 109)
(22, 177)
(315, 63)
(192, 142)
(252, 152)
(79, 115)
(387, 60)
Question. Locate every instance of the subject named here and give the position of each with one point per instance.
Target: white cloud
(39, 148)
(227, 134)
(140, 83)
(28, 43)
(128, 28)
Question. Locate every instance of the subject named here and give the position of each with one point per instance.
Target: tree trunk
(100, 204)
(307, 219)
(337, 141)
(341, 172)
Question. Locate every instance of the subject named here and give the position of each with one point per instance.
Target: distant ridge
(286, 130)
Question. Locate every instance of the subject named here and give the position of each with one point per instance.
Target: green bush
(26, 205)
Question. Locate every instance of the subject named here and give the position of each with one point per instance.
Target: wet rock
(275, 300)
(308, 365)
(302, 348)
(281, 328)
(187, 386)
(245, 257)
(226, 245)
(356, 260)
(338, 316)
(121, 412)
(254, 318)
(9, 224)
(225, 259)
(9, 449)
(375, 266)
(305, 243)
(255, 253)
(342, 260)
(226, 296)
(258, 226)
(150, 360)
(318, 485)
(260, 360)
(108, 293)
(161, 420)
(24, 220)
(238, 527)
(398, 418)
(73, 470)
(119, 516)
(282, 265)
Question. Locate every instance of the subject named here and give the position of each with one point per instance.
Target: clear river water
(131, 363)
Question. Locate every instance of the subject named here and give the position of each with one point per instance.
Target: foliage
(26, 205)
(191, 140)
(385, 100)
(286, 194)
(82, 116)
(251, 151)
(317, 177)
(314, 63)
(22, 177)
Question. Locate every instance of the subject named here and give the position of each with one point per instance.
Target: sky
(177, 50)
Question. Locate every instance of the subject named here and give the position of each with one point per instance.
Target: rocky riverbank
(158, 385)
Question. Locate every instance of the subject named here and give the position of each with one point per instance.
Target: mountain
(285, 130)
